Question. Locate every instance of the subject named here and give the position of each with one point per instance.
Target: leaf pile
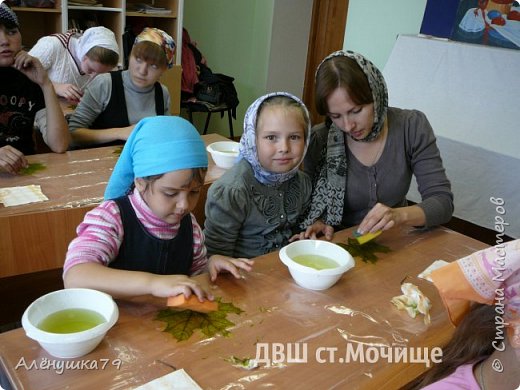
(182, 324)
(32, 168)
(364, 251)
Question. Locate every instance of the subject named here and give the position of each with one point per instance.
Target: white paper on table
(15, 196)
(432, 267)
(177, 380)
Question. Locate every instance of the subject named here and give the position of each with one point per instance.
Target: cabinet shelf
(101, 9)
(38, 10)
(173, 15)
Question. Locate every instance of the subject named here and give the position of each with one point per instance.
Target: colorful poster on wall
(485, 22)
(439, 18)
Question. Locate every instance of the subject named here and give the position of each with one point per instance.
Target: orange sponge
(364, 238)
(192, 303)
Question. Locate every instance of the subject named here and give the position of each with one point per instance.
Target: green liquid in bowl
(228, 151)
(71, 321)
(315, 261)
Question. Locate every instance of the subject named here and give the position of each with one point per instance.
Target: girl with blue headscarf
(143, 239)
(255, 207)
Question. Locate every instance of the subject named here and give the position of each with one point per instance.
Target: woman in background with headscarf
(73, 59)
(143, 239)
(361, 162)
(113, 103)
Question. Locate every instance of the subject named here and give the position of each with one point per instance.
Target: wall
(263, 43)
(289, 43)
(372, 26)
(234, 36)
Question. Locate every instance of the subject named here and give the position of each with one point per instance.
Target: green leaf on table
(364, 251)
(247, 363)
(182, 323)
(32, 168)
(118, 150)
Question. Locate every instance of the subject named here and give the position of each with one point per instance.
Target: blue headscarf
(157, 145)
(247, 149)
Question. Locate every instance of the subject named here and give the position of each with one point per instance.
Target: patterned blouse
(101, 233)
(245, 218)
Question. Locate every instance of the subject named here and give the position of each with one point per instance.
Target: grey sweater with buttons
(410, 149)
(245, 218)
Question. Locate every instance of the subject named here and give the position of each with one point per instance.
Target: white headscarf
(96, 36)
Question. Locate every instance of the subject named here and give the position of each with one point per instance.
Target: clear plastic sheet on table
(74, 179)
(278, 315)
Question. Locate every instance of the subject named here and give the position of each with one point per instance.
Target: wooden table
(355, 311)
(34, 237)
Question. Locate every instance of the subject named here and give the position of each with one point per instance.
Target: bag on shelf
(228, 92)
(208, 92)
(217, 89)
(200, 82)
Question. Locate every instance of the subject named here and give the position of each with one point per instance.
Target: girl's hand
(124, 132)
(31, 67)
(171, 285)
(12, 160)
(68, 91)
(218, 263)
(381, 217)
(317, 229)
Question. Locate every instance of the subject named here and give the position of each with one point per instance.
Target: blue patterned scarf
(248, 150)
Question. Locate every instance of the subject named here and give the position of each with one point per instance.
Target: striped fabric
(101, 233)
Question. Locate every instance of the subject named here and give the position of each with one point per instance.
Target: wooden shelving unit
(37, 22)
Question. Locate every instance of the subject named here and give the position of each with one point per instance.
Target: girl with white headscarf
(255, 207)
(72, 59)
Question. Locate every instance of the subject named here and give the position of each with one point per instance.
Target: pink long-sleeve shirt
(101, 233)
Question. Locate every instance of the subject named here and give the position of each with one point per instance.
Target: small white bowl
(312, 278)
(70, 345)
(224, 153)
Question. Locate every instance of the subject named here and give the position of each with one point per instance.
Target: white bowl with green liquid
(70, 323)
(316, 264)
(224, 153)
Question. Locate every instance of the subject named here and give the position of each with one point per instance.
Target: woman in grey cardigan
(361, 162)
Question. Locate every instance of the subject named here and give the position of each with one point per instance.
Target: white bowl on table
(224, 153)
(76, 344)
(310, 277)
